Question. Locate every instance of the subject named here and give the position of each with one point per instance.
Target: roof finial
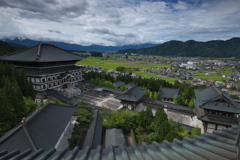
(38, 109)
(23, 122)
(39, 42)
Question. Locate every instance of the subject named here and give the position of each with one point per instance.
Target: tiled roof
(119, 83)
(169, 105)
(169, 92)
(42, 130)
(207, 98)
(219, 145)
(114, 137)
(42, 53)
(94, 133)
(133, 94)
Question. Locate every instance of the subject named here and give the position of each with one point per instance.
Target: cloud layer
(119, 22)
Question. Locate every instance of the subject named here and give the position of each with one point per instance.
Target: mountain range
(76, 47)
(191, 48)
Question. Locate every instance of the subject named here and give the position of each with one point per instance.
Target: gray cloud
(55, 31)
(101, 31)
(119, 22)
(53, 10)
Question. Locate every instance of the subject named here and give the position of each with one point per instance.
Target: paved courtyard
(102, 99)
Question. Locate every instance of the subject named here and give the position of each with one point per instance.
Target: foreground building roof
(219, 145)
(41, 131)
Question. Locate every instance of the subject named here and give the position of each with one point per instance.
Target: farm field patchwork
(113, 64)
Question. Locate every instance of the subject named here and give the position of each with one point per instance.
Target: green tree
(25, 85)
(123, 119)
(145, 118)
(172, 133)
(191, 103)
(30, 104)
(157, 95)
(123, 88)
(120, 69)
(195, 131)
(163, 129)
(178, 99)
(160, 117)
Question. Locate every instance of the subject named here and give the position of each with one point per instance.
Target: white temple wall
(183, 118)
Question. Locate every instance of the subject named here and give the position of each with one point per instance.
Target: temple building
(169, 93)
(131, 97)
(47, 66)
(216, 109)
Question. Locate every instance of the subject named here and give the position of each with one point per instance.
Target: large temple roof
(41, 53)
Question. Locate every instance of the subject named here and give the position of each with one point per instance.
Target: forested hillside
(16, 96)
(6, 48)
(191, 48)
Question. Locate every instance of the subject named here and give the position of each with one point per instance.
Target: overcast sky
(119, 22)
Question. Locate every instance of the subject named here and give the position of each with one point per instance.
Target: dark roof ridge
(47, 44)
(219, 92)
(29, 138)
(10, 54)
(42, 53)
(127, 91)
(38, 52)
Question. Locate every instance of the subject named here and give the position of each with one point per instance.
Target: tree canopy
(16, 96)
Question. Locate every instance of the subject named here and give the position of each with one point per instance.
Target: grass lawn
(172, 80)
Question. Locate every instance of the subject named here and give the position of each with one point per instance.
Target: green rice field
(114, 63)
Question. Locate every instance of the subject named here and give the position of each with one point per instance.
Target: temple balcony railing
(56, 86)
(57, 80)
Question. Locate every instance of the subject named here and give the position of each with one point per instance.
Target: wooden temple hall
(131, 97)
(216, 109)
(47, 66)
